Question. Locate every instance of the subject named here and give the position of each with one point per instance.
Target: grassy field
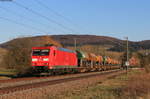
(115, 88)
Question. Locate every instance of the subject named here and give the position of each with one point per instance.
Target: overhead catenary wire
(22, 24)
(34, 12)
(60, 15)
(118, 43)
(43, 16)
(56, 13)
(26, 18)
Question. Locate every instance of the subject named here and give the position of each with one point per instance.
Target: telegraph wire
(22, 24)
(45, 17)
(29, 19)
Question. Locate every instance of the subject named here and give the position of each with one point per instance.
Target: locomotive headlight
(34, 59)
(45, 59)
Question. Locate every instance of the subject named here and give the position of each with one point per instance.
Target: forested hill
(81, 40)
(116, 44)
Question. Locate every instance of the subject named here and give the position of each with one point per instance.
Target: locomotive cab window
(38, 52)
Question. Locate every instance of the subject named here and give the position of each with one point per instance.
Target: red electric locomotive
(52, 57)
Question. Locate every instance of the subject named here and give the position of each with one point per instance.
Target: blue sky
(116, 18)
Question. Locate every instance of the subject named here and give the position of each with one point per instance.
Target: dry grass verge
(58, 91)
(138, 86)
(118, 88)
(133, 85)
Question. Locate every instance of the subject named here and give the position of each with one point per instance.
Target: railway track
(35, 78)
(26, 80)
(29, 80)
(11, 89)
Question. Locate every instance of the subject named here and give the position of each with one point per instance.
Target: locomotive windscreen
(40, 52)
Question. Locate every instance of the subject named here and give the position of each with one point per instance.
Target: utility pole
(127, 54)
(127, 50)
(75, 43)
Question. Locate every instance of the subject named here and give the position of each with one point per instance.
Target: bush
(145, 61)
(18, 56)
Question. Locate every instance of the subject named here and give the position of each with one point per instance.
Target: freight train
(56, 59)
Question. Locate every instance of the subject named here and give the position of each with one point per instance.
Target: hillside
(113, 43)
(110, 43)
(32, 41)
(3, 53)
(68, 40)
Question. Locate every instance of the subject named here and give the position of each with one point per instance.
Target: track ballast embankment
(11, 89)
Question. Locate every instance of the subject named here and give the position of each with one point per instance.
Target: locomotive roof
(58, 48)
(66, 50)
(40, 47)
